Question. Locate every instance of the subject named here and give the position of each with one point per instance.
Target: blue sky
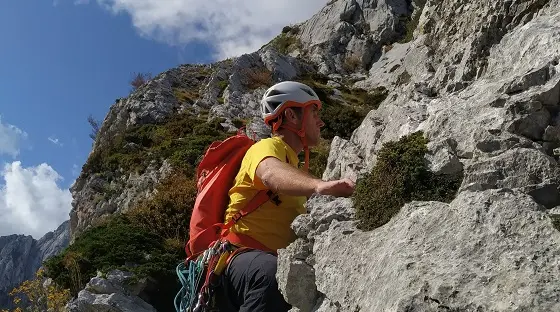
(61, 61)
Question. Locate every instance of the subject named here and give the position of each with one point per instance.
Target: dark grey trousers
(249, 284)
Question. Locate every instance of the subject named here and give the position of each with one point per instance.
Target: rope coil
(198, 277)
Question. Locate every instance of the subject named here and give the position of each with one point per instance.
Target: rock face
(18, 262)
(348, 35)
(152, 102)
(486, 251)
(461, 35)
(487, 97)
(53, 243)
(110, 294)
(21, 256)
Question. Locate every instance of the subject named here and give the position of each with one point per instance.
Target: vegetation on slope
(286, 42)
(181, 139)
(119, 244)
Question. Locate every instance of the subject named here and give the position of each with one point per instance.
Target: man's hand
(338, 188)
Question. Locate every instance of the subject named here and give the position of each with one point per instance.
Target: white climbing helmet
(286, 94)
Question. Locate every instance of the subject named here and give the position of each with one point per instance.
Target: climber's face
(313, 125)
(309, 119)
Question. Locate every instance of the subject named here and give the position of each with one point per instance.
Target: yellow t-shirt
(270, 223)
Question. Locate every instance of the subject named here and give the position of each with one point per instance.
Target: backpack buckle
(236, 217)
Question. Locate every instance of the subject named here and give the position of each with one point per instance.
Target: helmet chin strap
(301, 133)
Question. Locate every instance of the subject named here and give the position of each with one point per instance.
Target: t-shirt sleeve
(260, 151)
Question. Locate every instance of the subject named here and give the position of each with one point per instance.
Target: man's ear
(290, 116)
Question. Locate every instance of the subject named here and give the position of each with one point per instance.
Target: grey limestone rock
(110, 294)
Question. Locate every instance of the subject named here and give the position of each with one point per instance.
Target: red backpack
(215, 177)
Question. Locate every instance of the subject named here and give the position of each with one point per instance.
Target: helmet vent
(275, 92)
(275, 103)
(308, 91)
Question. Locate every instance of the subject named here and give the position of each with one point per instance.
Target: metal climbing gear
(201, 276)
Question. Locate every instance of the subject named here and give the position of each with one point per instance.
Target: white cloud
(55, 141)
(232, 27)
(31, 202)
(11, 138)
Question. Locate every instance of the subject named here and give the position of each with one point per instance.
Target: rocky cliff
(482, 83)
(21, 256)
(480, 80)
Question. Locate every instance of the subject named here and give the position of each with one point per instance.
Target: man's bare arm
(282, 178)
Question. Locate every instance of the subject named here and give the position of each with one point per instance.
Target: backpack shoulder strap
(259, 199)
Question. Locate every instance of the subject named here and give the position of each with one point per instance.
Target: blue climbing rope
(189, 275)
(197, 277)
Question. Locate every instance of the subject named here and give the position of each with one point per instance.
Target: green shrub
(168, 212)
(400, 176)
(223, 85)
(318, 83)
(119, 244)
(183, 95)
(363, 99)
(318, 157)
(410, 23)
(285, 43)
(373, 98)
(286, 29)
(340, 120)
(149, 239)
(238, 123)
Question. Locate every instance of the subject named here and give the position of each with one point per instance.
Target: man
(292, 110)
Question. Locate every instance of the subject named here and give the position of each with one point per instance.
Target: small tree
(138, 79)
(35, 296)
(258, 77)
(95, 125)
